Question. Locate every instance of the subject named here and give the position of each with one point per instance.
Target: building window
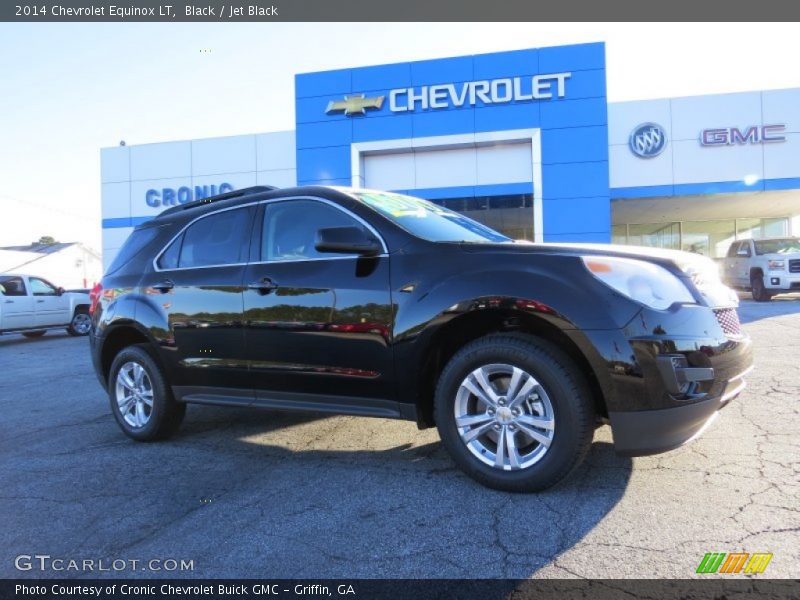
(619, 234)
(761, 228)
(655, 235)
(709, 238)
(511, 215)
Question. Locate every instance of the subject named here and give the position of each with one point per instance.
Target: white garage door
(449, 167)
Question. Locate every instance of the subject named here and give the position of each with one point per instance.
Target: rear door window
(216, 240)
(12, 286)
(170, 257)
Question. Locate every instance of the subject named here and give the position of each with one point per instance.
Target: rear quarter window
(136, 242)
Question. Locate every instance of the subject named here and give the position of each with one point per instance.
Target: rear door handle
(163, 286)
(9, 302)
(263, 286)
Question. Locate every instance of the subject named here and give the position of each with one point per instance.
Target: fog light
(775, 280)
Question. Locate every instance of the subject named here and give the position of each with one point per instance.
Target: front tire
(760, 293)
(141, 399)
(81, 323)
(514, 412)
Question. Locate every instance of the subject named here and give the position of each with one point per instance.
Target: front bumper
(666, 374)
(639, 433)
(782, 281)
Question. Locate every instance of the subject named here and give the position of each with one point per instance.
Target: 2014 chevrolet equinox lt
(370, 303)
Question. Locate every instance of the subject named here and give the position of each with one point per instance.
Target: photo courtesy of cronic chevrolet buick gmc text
(371, 303)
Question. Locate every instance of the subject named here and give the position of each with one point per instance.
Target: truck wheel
(81, 323)
(760, 293)
(514, 412)
(34, 334)
(141, 399)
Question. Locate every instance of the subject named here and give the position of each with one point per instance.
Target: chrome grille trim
(728, 319)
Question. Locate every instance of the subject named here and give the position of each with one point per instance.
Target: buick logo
(648, 140)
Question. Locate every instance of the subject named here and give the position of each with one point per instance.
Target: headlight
(639, 280)
(704, 274)
(776, 265)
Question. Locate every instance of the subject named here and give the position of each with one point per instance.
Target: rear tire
(34, 334)
(558, 403)
(141, 399)
(760, 293)
(81, 323)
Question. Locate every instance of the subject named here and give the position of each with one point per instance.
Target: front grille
(728, 319)
(794, 266)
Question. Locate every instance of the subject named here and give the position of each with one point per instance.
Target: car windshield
(786, 246)
(427, 220)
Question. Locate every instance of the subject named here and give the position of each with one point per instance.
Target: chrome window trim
(348, 212)
(157, 269)
(201, 267)
(317, 259)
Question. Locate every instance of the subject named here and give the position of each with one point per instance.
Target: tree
(47, 239)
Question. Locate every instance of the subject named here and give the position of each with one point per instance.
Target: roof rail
(226, 196)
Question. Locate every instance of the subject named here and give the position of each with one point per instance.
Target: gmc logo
(733, 136)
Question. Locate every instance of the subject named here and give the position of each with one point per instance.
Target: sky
(67, 90)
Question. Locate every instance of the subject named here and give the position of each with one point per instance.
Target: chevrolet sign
(446, 95)
(354, 105)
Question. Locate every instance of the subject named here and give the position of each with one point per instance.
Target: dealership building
(524, 141)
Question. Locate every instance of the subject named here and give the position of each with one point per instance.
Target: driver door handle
(263, 286)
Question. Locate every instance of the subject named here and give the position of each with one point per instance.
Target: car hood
(701, 270)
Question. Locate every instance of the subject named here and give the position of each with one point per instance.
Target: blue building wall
(574, 129)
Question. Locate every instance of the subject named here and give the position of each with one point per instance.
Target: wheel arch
(467, 327)
(118, 338)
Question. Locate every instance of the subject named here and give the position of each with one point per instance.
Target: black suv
(377, 304)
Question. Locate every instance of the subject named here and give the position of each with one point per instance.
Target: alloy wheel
(134, 394)
(82, 323)
(504, 417)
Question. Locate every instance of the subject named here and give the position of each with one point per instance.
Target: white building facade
(68, 265)
(523, 141)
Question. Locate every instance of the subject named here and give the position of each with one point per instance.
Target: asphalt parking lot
(247, 493)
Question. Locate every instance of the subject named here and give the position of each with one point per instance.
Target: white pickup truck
(31, 305)
(766, 267)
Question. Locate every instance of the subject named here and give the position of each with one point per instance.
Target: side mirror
(347, 240)
(2, 289)
(60, 291)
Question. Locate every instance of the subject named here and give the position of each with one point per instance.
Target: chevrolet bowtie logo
(354, 105)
